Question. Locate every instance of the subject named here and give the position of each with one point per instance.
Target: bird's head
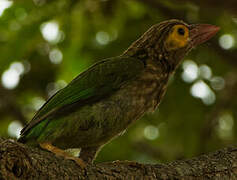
(171, 40)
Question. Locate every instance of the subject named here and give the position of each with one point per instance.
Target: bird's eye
(181, 31)
(178, 37)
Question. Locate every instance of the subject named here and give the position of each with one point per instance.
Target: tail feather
(29, 136)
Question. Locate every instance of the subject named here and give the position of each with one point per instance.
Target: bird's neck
(151, 55)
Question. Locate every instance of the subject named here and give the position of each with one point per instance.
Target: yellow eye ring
(177, 38)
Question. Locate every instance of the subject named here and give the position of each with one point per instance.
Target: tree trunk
(18, 161)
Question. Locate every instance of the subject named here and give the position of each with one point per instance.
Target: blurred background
(45, 44)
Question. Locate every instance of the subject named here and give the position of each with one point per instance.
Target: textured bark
(18, 161)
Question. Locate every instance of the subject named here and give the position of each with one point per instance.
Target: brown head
(170, 41)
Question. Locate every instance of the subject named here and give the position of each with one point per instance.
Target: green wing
(96, 82)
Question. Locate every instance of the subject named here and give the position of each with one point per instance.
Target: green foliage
(91, 30)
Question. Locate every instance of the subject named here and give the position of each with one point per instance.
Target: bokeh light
(205, 71)
(217, 83)
(225, 126)
(102, 37)
(4, 4)
(190, 71)
(18, 66)
(51, 33)
(14, 129)
(11, 76)
(55, 56)
(201, 90)
(151, 132)
(226, 41)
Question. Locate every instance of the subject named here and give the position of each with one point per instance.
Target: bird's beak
(200, 33)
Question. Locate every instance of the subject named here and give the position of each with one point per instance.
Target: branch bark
(18, 161)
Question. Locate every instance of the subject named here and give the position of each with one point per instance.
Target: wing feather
(99, 80)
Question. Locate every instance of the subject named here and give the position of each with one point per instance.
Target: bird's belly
(96, 124)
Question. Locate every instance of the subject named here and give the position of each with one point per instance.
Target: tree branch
(18, 161)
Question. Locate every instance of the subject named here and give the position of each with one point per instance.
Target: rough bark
(18, 161)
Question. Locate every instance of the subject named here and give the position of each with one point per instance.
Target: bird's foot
(60, 152)
(77, 160)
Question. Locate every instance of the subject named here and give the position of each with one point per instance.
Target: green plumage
(104, 100)
(101, 80)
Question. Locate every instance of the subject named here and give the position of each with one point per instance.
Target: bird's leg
(60, 152)
(88, 154)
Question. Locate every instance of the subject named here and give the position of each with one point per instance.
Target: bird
(107, 98)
